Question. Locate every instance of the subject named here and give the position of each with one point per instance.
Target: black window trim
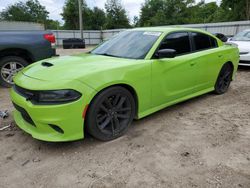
(181, 31)
(191, 40)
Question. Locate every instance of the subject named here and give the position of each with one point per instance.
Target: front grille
(244, 62)
(24, 114)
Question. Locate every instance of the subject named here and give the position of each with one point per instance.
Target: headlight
(57, 96)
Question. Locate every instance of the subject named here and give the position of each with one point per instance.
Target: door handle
(192, 63)
(220, 56)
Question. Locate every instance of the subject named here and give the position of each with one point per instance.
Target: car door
(207, 60)
(174, 78)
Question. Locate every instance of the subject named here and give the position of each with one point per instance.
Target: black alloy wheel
(224, 79)
(111, 113)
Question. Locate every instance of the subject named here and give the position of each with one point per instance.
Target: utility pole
(80, 17)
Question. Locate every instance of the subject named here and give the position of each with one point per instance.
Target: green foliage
(116, 15)
(152, 13)
(71, 14)
(97, 19)
(236, 9)
(92, 19)
(135, 21)
(31, 11)
(165, 12)
(53, 25)
(204, 12)
(171, 12)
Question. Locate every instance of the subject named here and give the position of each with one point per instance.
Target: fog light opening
(56, 128)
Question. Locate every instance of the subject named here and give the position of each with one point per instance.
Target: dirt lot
(204, 142)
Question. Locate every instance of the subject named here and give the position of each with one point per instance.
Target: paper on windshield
(152, 33)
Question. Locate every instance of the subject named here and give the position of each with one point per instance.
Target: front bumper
(244, 63)
(53, 123)
(68, 117)
(245, 60)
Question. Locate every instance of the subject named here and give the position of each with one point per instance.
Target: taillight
(50, 37)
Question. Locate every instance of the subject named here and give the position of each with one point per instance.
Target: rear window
(203, 41)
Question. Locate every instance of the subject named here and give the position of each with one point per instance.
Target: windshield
(128, 44)
(242, 36)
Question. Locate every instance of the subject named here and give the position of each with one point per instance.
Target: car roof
(167, 29)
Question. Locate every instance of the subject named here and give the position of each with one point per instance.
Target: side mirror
(166, 53)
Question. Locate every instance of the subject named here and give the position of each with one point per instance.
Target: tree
(92, 19)
(247, 10)
(53, 24)
(165, 12)
(98, 19)
(135, 21)
(235, 10)
(29, 11)
(116, 15)
(149, 10)
(205, 13)
(71, 14)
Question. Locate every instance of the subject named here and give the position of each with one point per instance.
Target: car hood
(73, 67)
(244, 46)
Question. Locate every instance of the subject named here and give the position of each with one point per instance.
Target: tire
(224, 79)
(9, 67)
(110, 114)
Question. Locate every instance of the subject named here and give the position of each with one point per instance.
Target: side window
(214, 43)
(177, 41)
(203, 41)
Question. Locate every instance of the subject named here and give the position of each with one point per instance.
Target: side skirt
(157, 108)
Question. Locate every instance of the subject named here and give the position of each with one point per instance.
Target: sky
(54, 7)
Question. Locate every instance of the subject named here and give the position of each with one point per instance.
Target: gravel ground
(204, 142)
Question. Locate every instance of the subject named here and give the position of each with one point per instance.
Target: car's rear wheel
(9, 67)
(224, 79)
(110, 113)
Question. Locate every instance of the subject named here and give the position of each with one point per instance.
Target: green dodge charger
(130, 76)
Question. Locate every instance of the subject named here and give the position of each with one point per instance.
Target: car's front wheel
(9, 67)
(110, 113)
(224, 79)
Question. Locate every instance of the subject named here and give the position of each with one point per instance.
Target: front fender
(137, 77)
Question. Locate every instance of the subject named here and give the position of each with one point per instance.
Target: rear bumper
(53, 50)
